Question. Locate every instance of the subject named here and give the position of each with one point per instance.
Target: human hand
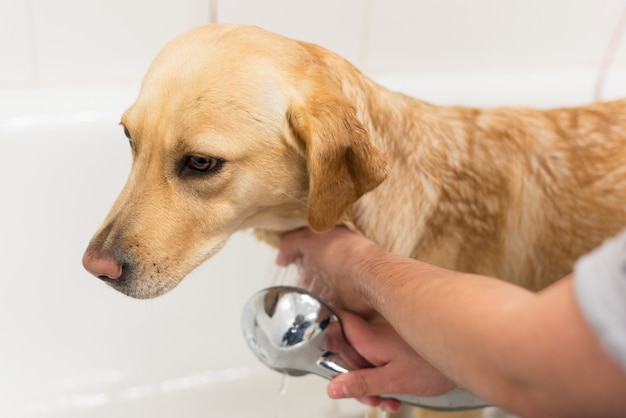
(398, 369)
(331, 264)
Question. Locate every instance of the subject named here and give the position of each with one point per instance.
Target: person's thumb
(359, 383)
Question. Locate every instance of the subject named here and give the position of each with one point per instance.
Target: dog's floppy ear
(342, 163)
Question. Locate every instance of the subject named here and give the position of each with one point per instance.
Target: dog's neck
(425, 183)
(455, 197)
(444, 200)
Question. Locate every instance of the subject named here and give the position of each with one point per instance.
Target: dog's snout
(102, 266)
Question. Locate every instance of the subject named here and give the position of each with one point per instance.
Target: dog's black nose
(101, 266)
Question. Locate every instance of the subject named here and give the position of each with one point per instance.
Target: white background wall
(96, 41)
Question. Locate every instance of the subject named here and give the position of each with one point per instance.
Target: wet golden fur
(306, 139)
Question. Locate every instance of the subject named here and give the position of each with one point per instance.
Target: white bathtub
(72, 347)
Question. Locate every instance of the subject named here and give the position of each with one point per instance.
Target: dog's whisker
(297, 199)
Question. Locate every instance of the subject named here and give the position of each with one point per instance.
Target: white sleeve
(600, 287)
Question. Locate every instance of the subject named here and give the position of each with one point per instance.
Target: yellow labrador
(238, 128)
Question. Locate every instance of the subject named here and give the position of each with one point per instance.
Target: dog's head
(234, 128)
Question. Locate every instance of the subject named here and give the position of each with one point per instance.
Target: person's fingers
(363, 383)
(372, 339)
(386, 404)
(288, 249)
(292, 243)
(389, 405)
(372, 401)
(385, 349)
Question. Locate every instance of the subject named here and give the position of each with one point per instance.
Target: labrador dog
(238, 128)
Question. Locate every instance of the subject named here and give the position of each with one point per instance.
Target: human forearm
(532, 354)
(508, 345)
(453, 316)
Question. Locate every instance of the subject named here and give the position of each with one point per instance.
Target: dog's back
(513, 193)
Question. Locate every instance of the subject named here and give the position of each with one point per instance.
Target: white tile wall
(338, 25)
(95, 40)
(88, 40)
(107, 40)
(460, 35)
(16, 42)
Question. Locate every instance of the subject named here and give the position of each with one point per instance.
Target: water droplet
(283, 385)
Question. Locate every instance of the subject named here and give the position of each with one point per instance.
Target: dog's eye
(199, 164)
(130, 139)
